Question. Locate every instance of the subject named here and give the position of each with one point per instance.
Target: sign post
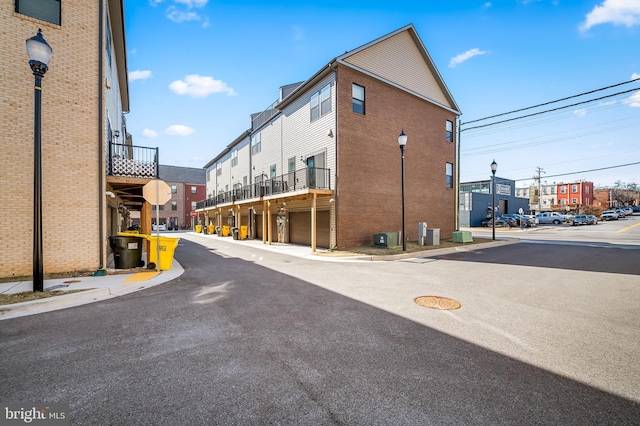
(158, 193)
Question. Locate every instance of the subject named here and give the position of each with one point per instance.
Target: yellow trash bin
(167, 248)
(198, 229)
(244, 232)
(211, 229)
(226, 230)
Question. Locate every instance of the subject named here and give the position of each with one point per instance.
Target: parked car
(512, 219)
(161, 227)
(609, 215)
(500, 223)
(622, 212)
(532, 218)
(551, 217)
(592, 220)
(579, 219)
(628, 210)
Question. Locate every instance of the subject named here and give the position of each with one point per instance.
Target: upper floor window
(256, 143)
(563, 189)
(449, 129)
(193, 189)
(45, 10)
(208, 175)
(321, 102)
(174, 205)
(234, 157)
(194, 205)
(586, 189)
(449, 173)
(574, 188)
(272, 171)
(174, 189)
(218, 169)
(357, 95)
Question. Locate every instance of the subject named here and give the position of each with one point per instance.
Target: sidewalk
(108, 286)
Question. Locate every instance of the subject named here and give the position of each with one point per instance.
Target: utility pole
(539, 170)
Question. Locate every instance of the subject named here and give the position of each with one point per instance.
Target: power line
(549, 110)
(552, 102)
(586, 171)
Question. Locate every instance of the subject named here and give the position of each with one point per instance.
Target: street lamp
(494, 167)
(39, 53)
(402, 141)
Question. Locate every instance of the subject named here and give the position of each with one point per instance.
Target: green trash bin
(127, 251)
(235, 231)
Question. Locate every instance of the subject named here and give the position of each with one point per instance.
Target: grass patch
(27, 296)
(412, 247)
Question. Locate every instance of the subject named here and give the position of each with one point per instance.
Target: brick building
(92, 175)
(574, 195)
(188, 186)
(322, 165)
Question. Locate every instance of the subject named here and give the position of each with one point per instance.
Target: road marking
(628, 227)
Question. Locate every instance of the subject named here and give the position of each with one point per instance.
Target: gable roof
(399, 59)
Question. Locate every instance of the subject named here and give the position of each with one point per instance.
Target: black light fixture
(39, 53)
(494, 167)
(402, 141)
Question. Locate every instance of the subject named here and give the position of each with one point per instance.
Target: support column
(264, 222)
(145, 224)
(269, 227)
(313, 222)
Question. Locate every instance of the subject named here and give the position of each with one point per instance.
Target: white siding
(398, 59)
(271, 152)
(243, 168)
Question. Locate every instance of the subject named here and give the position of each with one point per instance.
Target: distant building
(476, 200)
(188, 186)
(557, 196)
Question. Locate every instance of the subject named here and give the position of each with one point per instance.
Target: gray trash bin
(127, 251)
(433, 237)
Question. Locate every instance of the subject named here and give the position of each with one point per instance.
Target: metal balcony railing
(132, 161)
(308, 177)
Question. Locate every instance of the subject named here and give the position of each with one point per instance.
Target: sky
(199, 68)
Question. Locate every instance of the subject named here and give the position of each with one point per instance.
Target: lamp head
(39, 53)
(402, 139)
(494, 167)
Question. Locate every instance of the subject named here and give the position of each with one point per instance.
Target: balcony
(299, 180)
(132, 161)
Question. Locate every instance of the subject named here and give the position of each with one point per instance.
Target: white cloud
(634, 100)
(200, 86)
(192, 3)
(148, 133)
(139, 75)
(179, 130)
(178, 16)
(635, 76)
(580, 112)
(465, 56)
(487, 5)
(617, 12)
(607, 103)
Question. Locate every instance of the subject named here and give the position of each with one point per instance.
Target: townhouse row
(321, 166)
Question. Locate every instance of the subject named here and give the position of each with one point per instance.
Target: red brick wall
(369, 164)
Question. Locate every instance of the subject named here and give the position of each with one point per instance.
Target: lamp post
(39, 53)
(494, 167)
(402, 141)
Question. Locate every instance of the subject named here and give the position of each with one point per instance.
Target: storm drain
(437, 302)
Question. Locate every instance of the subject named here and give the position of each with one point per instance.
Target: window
(553, 190)
(292, 164)
(174, 189)
(218, 169)
(193, 205)
(193, 189)
(563, 189)
(574, 188)
(272, 171)
(574, 200)
(244, 181)
(174, 205)
(449, 129)
(357, 101)
(45, 10)
(321, 102)
(208, 175)
(256, 143)
(234, 157)
(449, 173)
(153, 207)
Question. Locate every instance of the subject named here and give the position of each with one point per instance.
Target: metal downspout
(101, 190)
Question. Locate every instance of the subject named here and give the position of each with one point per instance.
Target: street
(546, 334)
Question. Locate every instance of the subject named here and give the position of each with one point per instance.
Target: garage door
(300, 228)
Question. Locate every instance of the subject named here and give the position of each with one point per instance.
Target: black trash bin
(127, 251)
(235, 231)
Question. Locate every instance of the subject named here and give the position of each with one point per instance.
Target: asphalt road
(249, 337)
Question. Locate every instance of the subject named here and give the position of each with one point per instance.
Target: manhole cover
(451, 256)
(437, 302)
